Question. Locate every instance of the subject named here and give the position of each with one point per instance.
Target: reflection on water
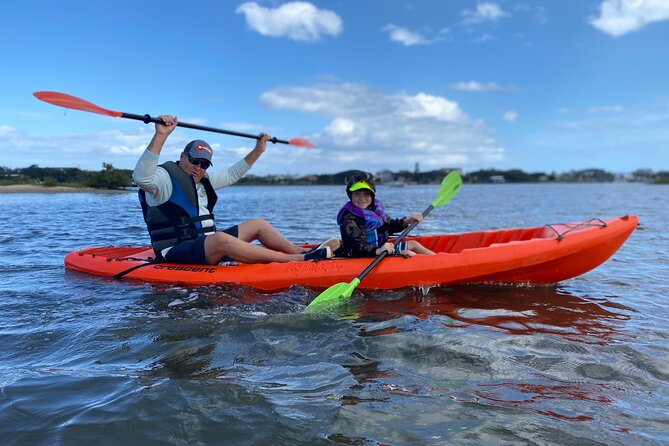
(408, 348)
(515, 310)
(537, 396)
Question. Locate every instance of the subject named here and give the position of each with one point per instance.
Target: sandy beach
(34, 188)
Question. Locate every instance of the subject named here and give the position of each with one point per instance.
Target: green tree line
(111, 178)
(107, 178)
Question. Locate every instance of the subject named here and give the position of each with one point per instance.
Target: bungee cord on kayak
(573, 227)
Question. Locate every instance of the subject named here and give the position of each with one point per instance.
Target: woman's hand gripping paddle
(74, 103)
(340, 292)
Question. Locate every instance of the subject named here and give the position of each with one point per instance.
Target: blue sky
(530, 84)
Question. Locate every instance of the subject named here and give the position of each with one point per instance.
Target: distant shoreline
(37, 189)
(34, 188)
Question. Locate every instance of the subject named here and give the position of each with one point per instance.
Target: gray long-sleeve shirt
(155, 181)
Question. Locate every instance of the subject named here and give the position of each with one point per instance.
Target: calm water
(93, 361)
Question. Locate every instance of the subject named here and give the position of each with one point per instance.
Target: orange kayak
(528, 256)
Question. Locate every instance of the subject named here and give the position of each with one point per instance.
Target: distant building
(384, 176)
(643, 175)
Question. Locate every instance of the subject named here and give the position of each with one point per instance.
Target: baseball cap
(199, 149)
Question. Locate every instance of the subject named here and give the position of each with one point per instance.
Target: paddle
(75, 103)
(340, 292)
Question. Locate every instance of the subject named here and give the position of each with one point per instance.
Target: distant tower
(416, 169)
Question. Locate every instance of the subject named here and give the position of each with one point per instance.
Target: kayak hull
(527, 256)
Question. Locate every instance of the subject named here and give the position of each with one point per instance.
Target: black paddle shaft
(146, 119)
(395, 242)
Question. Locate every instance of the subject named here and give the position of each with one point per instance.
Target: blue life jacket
(374, 221)
(178, 218)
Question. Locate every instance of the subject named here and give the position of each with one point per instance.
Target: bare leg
(261, 230)
(220, 244)
(418, 248)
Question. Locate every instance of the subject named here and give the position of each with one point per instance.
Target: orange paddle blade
(301, 142)
(73, 102)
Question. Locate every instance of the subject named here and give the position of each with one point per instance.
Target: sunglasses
(199, 162)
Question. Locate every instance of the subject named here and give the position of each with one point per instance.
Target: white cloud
(300, 21)
(346, 131)
(476, 86)
(121, 149)
(379, 130)
(510, 116)
(618, 17)
(242, 126)
(405, 36)
(484, 12)
(607, 109)
(135, 150)
(194, 120)
(484, 38)
(352, 125)
(632, 138)
(6, 130)
(341, 127)
(85, 150)
(432, 107)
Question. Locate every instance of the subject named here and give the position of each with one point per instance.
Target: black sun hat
(361, 180)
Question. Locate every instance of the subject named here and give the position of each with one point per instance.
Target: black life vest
(178, 218)
(374, 220)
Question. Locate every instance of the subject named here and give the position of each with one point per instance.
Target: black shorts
(401, 246)
(192, 251)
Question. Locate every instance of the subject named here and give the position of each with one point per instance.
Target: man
(178, 200)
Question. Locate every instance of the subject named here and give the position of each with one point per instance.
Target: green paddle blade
(333, 296)
(448, 189)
